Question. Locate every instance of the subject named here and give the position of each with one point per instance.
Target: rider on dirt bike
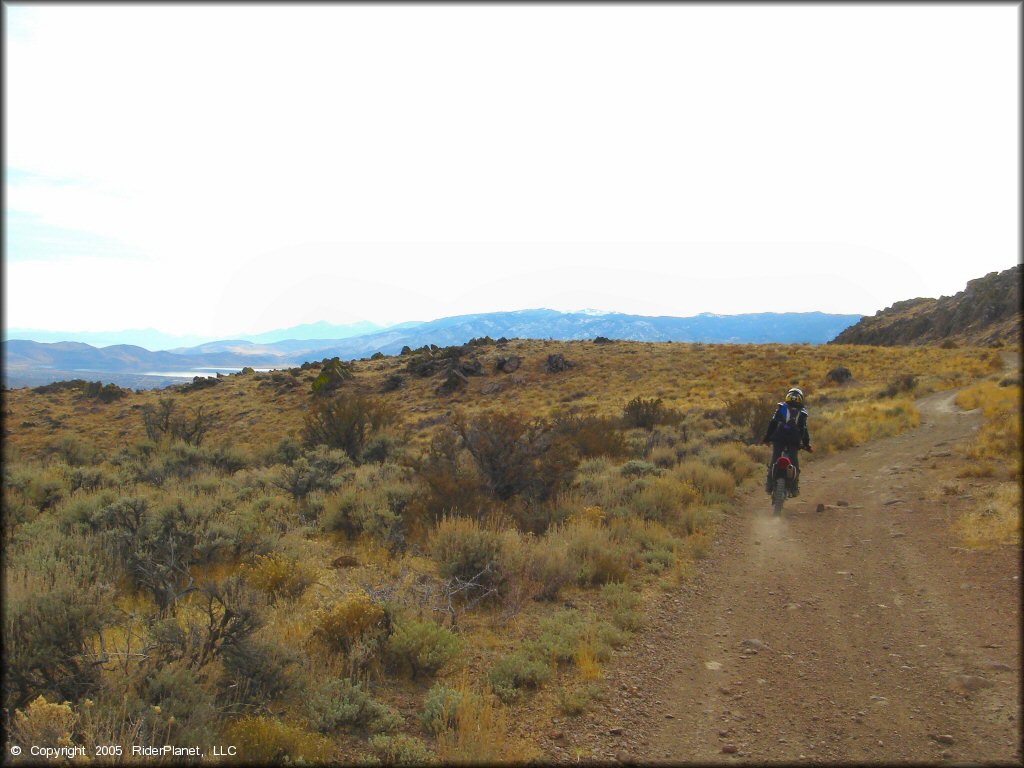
(788, 430)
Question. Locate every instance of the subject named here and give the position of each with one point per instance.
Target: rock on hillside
(985, 313)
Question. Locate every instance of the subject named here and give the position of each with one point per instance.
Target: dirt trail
(858, 633)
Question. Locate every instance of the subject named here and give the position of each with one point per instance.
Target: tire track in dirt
(859, 633)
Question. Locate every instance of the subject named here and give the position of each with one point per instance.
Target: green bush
(440, 708)
(595, 555)
(400, 750)
(550, 569)
(514, 673)
(46, 645)
(180, 694)
(647, 414)
(337, 702)
(517, 457)
(467, 550)
(623, 603)
(638, 468)
(423, 646)
(346, 421)
(592, 435)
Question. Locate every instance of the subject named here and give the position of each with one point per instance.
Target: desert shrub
(82, 510)
(44, 723)
(200, 382)
(705, 478)
(377, 502)
(267, 741)
(340, 512)
(857, 423)
(319, 469)
(179, 693)
(46, 638)
(73, 451)
(381, 447)
(480, 733)
(165, 420)
(657, 544)
(157, 545)
(839, 375)
(592, 435)
(279, 576)
(663, 457)
(61, 386)
(341, 624)
(90, 479)
(900, 385)
(550, 569)
(287, 450)
(441, 707)
(595, 555)
(575, 701)
(400, 750)
(423, 646)
(558, 638)
(452, 481)
(392, 382)
(46, 487)
(517, 457)
(638, 468)
(339, 702)
(229, 459)
(732, 458)
(467, 550)
(751, 414)
(623, 603)
(597, 465)
(516, 672)
(223, 620)
(255, 673)
(647, 414)
(662, 499)
(346, 421)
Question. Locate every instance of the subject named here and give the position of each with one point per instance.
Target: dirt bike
(783, 480)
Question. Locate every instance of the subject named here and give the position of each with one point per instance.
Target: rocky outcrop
(508, 364)
(985, 313)
(557, 364)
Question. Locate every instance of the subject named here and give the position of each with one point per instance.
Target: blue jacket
(788, 426)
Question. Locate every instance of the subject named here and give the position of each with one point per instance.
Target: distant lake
(201, 372)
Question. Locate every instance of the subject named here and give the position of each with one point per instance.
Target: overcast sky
(230, 169)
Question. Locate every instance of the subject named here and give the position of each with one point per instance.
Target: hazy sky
(229, 169)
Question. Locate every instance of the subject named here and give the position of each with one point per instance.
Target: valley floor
(861, 632)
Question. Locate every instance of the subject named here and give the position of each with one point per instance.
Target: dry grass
(997, 521)
(330, 569)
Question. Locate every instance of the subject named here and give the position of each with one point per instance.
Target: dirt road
(859, 633)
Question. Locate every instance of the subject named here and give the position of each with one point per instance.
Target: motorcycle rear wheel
(778, 496)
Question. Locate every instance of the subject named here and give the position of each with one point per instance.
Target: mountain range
(31, 361)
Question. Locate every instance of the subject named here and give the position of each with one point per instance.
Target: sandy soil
(858, 633)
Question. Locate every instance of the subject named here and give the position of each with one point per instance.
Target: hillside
(985, 313)
(31, 362)
(327, 577)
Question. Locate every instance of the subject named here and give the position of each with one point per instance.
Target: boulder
(507, 364)
(557, 364)
(453, 380)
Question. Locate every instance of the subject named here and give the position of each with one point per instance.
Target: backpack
(790, 421)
